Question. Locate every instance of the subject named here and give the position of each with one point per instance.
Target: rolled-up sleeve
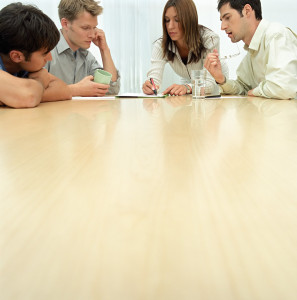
(158, 63)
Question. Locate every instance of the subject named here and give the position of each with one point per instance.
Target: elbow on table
(286, 93)
(290, 93)
(31, 100)
(30, 96)
(281, 92)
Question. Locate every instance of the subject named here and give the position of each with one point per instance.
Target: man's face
(80, 32)
(37, 61)
(232, 23)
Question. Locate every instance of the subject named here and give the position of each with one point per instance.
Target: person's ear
(65, 23)
(16, 56)
(247, 10)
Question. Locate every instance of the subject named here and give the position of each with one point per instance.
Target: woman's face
(173, 25)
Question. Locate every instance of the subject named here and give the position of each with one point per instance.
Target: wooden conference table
(149, 199)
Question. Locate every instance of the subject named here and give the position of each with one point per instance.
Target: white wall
(131, 26)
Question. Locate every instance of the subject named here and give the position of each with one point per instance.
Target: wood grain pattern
(149, 199)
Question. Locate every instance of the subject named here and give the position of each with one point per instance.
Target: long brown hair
(188, 18)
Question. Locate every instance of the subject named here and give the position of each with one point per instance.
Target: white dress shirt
(270, 66)
(158, 62)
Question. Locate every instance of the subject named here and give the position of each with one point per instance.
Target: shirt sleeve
(241, 85)
(212, 42)
(281, 70)
(157, 64)
(114, 85)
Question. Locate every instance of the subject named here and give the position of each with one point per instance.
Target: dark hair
(239, 5)
(188, 17)
(27, 29)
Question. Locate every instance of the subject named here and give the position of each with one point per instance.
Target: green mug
(101, 76)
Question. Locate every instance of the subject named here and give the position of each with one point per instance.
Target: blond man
(71, 61)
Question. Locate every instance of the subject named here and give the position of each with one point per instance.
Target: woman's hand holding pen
(213, 65)
(148, 88)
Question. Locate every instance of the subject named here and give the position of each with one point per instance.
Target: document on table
(94, 98)
(140, 95)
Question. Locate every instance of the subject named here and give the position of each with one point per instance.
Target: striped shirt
(210, 41)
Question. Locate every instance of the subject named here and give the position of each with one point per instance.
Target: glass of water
(198, 78)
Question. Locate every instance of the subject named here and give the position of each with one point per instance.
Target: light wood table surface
(162, 199)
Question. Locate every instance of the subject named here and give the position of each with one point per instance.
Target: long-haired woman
(184, 45)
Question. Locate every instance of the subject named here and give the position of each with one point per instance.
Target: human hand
(42, 76)
(100, 40)
(176, 90)
(147, 88)
(213, 65)
(88, 88)
(250, 93)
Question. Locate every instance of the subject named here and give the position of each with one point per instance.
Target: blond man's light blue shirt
(72, 67)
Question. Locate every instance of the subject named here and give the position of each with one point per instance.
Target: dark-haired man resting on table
(27, 36)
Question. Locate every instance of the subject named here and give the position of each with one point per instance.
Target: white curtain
(131, 27)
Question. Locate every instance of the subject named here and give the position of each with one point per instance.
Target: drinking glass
(198, 78)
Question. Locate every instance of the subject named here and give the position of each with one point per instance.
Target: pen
(213, 96)
(154, 87)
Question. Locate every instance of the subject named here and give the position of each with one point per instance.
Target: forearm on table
(57, 90)
(234, 87)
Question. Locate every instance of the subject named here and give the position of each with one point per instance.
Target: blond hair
(70, 9)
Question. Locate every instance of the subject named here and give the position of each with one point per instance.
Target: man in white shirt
(71, 61)
(270, 67)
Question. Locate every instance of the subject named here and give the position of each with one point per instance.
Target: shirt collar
(2, 64)
(63, 46)
(257, 37)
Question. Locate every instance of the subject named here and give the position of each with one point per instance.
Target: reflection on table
(149, 199)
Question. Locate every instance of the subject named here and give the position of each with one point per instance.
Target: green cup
(101, 76)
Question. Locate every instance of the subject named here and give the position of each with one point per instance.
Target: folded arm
(54, 88)
(57, 90)
(19, 92)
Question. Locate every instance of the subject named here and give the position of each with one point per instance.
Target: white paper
(139, 95)
(94, 98)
